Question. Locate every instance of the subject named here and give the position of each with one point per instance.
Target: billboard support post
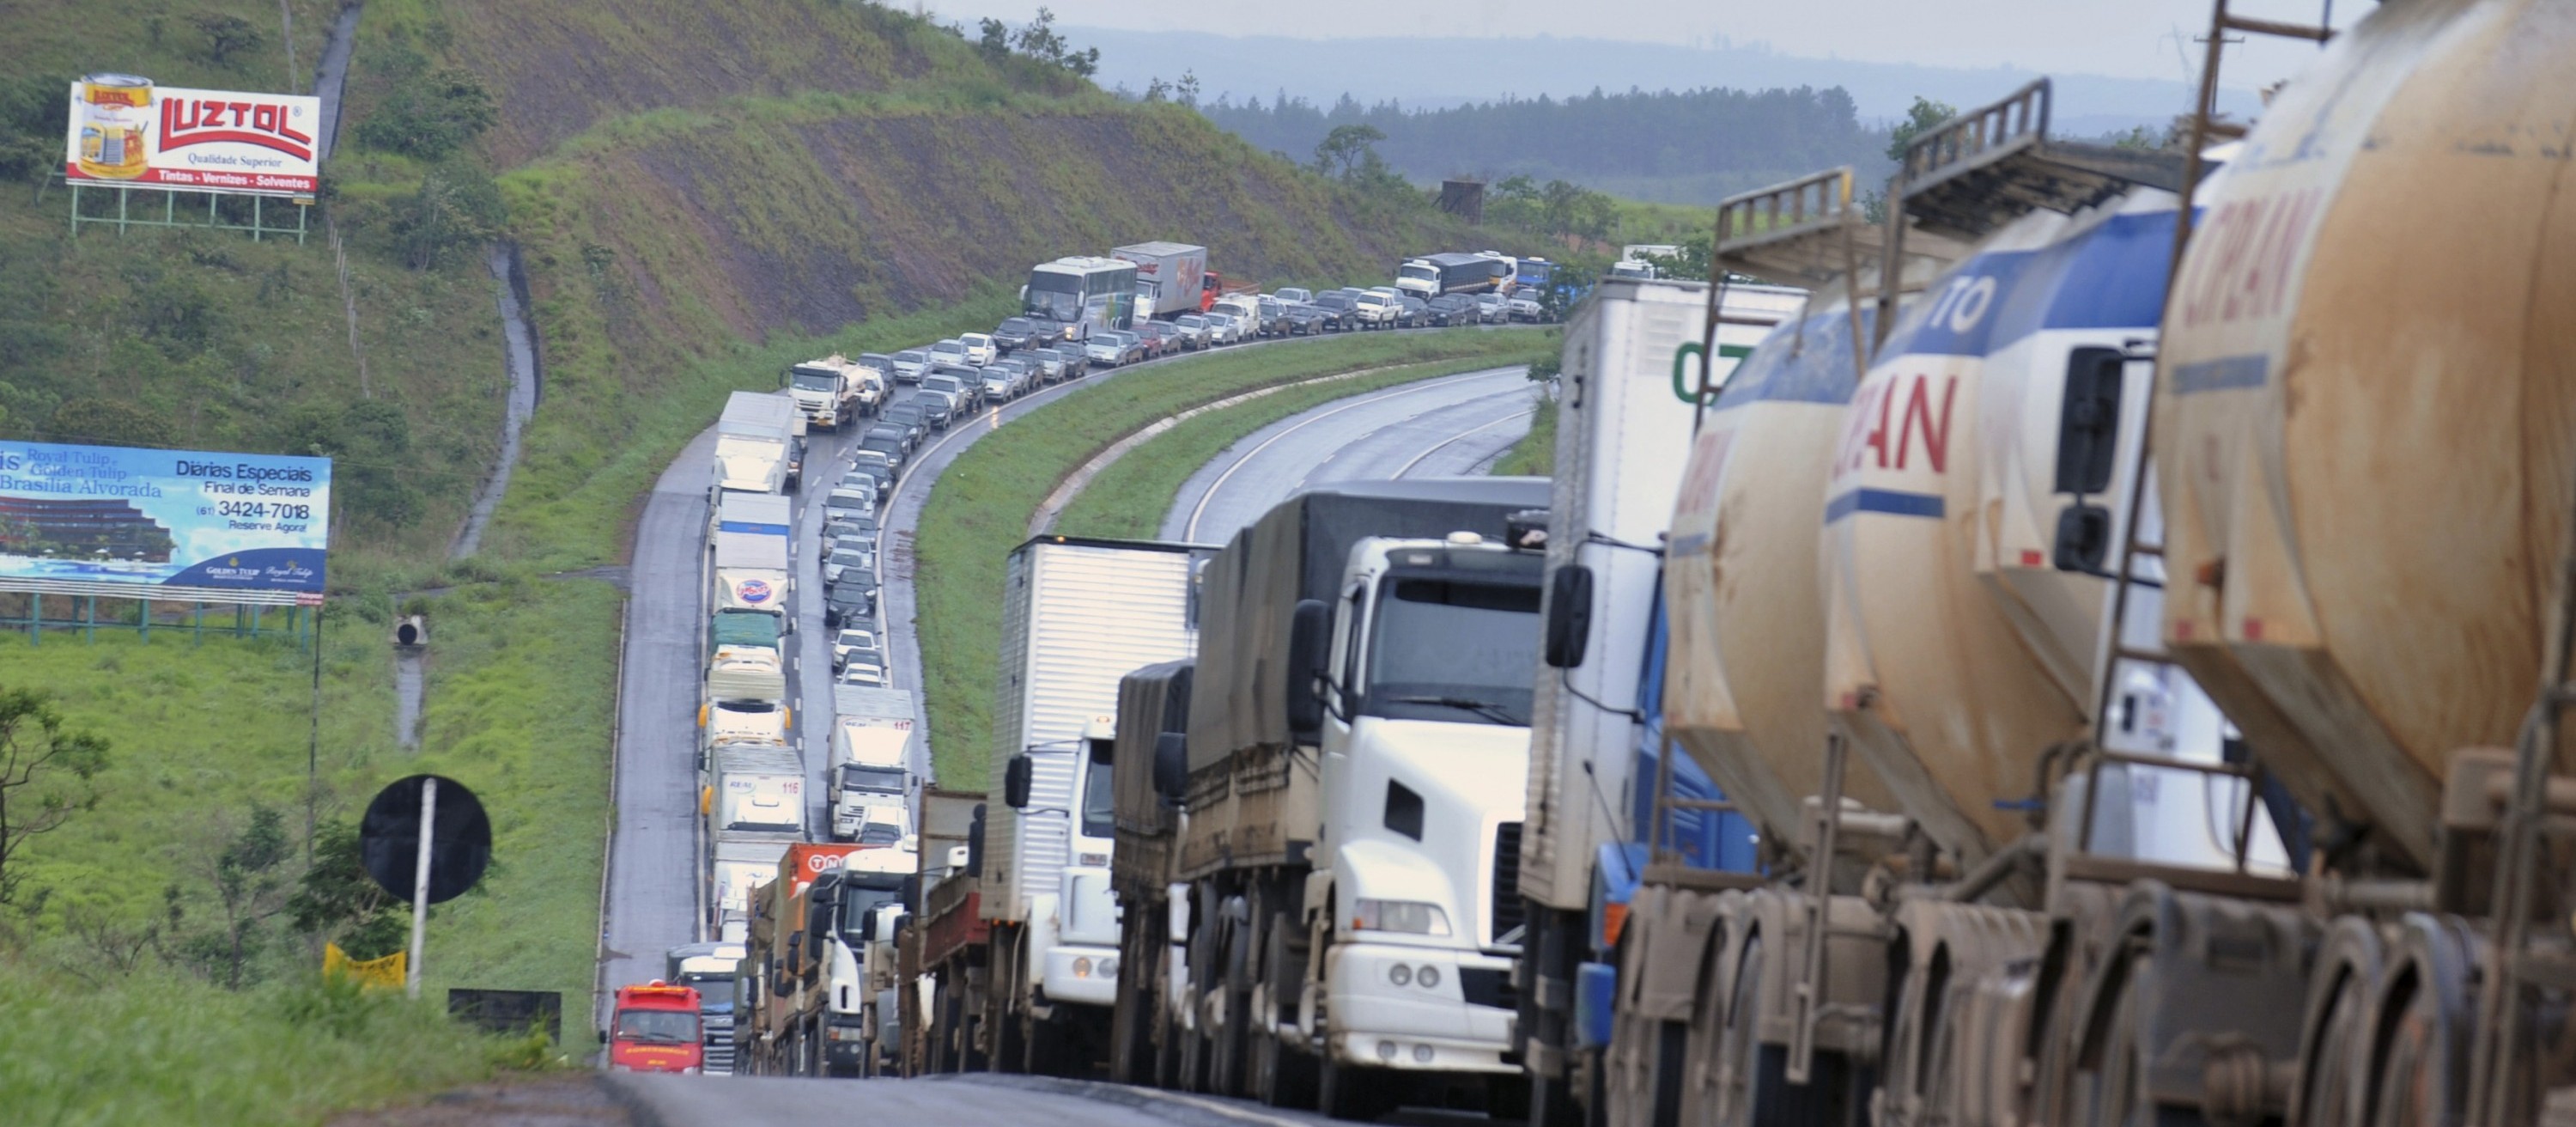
(257, 228)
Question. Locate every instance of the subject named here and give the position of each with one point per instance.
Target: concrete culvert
(411, 630)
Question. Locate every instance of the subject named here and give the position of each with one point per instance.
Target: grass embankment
(168, 1048)
(1130, 498)
(981, 507)
(1535, 454)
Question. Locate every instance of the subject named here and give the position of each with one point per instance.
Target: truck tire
(1283, 1074)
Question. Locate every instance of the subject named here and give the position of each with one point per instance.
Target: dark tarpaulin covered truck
(1146, 769)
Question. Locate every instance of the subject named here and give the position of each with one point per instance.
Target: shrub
(430, 115)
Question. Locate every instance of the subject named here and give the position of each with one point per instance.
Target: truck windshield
(1419, 273)
(714, 992)
(812, 379)
(880, 833)
(855, 777)
(858, 898)
(1452, 649)
(1098, 801)
(658, 1027)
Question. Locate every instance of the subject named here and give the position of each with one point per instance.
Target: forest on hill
(1674, 146)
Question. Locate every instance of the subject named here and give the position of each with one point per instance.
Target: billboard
(125, 130)
(197, 525)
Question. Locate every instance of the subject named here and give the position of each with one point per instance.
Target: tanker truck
(1354, 773)
(1623, 432)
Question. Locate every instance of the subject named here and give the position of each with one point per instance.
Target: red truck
(655, 1029)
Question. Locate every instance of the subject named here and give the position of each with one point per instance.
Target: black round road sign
(460, 845)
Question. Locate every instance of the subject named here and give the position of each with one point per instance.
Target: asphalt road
(676, 1101)
(1443, 427)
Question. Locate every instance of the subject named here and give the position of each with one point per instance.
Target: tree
(1039, 39)
(1922, 117)
(337, 900)
(995, 41)
(47, 774)
(1188, 89)
(430, 116)
(248, 886)
(1157, 90)
(1085, 62)
(1346, 148)
(227, 36)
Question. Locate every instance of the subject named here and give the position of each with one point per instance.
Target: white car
(848, 641)
(1377, 310)
(1227, 327)
(1294, 295)
(868, 673)
(949, 352)
(981, 348)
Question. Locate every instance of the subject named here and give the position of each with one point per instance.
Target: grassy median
(980, 509)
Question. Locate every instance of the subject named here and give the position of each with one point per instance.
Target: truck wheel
(1284, 1074)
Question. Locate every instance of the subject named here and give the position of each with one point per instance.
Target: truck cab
(656, 1028)
(1074, 942)
(844, 908)
(709, 969)
(1422, 713)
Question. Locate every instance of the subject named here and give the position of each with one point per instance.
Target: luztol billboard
(72, 517)
(125, 130)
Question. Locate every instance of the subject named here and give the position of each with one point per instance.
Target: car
(1046, 365)
(1451, 309)
(1195, 331)
(913, 418)
(1226, 327)
(966, 386)
(1077, 364)
(1161, 339)
(846, 524)
(848, 603)
(1308, 320)
(868, 478)
(1415, 312)
(909, 364)
(1293, 295)
(937, 408)
(1341, 307)
(889, 442)
(981, 348)
(1491, 308)
(865, 673)
(1110, 347)
(852, 641)
(1376, 311)
(1521, 307)
(999, 385)
(1015, 334)
(850, 501)
(951, 352)
(840, 562)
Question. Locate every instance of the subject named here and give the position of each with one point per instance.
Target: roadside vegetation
(1130, 498)
(1535, 454)
(981, 506)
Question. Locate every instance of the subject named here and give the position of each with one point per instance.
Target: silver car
(1195, 330)
(910, 363)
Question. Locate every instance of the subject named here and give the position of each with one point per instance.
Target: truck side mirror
(2088, 428)
(1310, 636)
(2083, 539)
(1569, 616)
(1017, 779)
(1171, 766)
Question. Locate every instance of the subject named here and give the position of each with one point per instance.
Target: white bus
(1084, 292)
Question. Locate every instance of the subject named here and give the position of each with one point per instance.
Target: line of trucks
(2060, 657)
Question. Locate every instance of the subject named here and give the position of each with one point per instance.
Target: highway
(655, 875)
(1442, 427)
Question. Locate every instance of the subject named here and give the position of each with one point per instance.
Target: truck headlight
(1082, 967)
(1407, 917)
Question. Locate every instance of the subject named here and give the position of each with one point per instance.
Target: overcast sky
(2126, 38)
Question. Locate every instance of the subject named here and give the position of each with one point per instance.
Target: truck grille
(1507, 883)
(719, 1045)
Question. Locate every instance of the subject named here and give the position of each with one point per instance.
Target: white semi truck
(1356, 750)
(1077, 615)
(833, 391)
(872, 753)
(1170, 277)
(753, 799)
(749, 539)
(758, 444)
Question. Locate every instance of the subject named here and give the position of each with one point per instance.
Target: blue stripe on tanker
(2109, 277)
(1889, 501)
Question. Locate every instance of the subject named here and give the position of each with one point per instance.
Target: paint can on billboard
(115, 114)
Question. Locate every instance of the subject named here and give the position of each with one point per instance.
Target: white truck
(749, 539)
(872, 753)
(832, 391)
(753, 798)
(1621, 444)
(1170, 277)
(853, 909)
(1077, 616)
(1355, 764)
(757, 445)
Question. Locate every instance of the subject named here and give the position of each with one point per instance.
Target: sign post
(427, 838)
(420, 885)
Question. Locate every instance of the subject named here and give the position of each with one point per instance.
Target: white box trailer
(751, 538)
(872, 753)
(1169, 276)
(754, 438)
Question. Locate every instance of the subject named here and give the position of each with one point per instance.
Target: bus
(1084, 293)
(1535, 273)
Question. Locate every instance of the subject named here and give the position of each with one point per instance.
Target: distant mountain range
(1438, 73)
